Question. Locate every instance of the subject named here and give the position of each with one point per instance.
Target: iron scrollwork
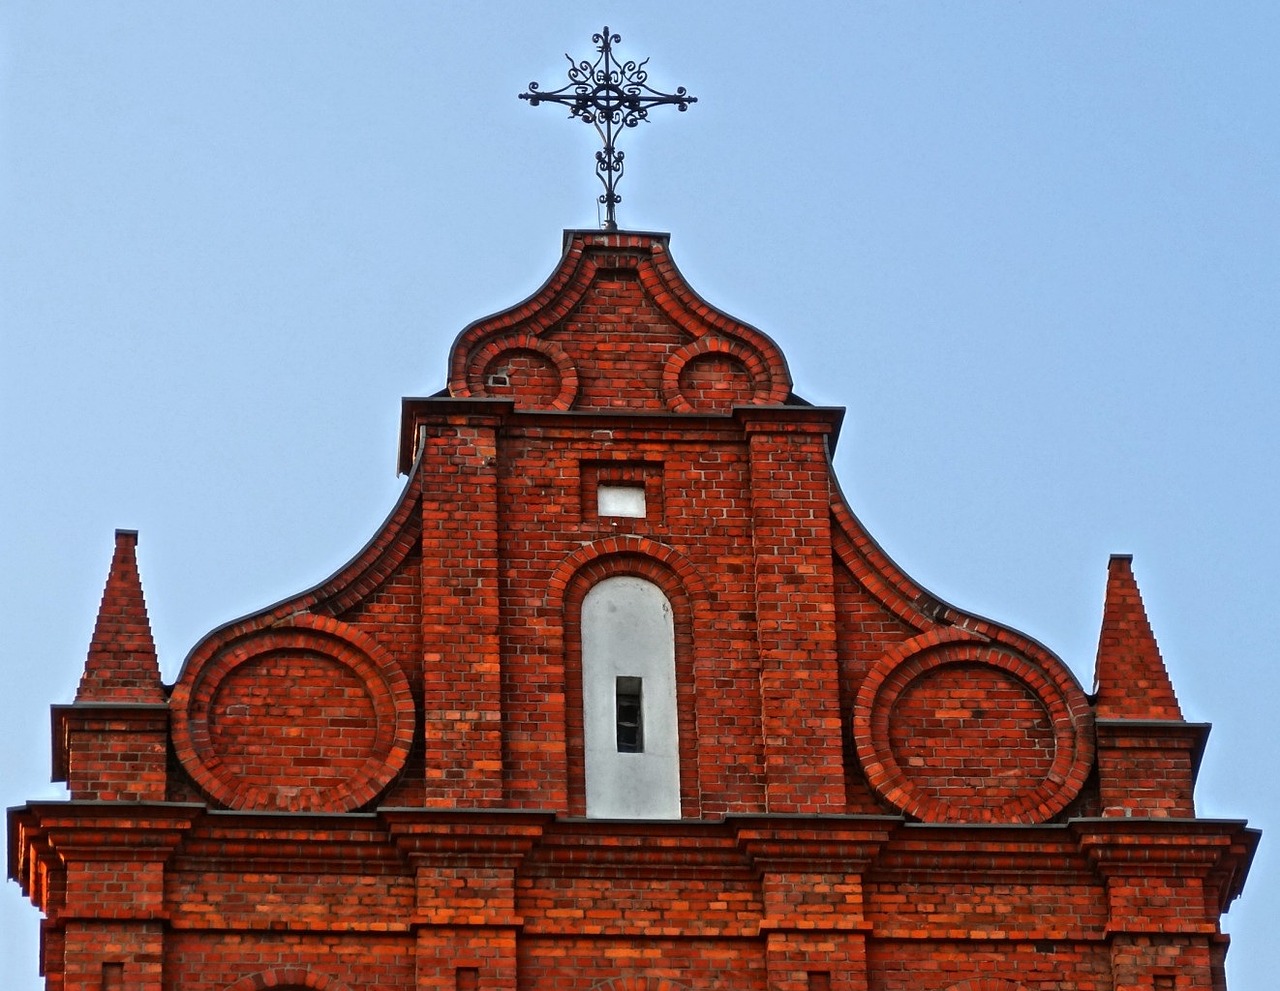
(611, 95)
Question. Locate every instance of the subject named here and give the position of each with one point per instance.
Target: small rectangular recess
(620, 495)
(629, 694)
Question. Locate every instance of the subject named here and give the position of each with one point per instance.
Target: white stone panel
(620, 500)
(628, 631)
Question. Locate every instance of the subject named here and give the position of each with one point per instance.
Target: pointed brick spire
(1130, 677)
(122, 665)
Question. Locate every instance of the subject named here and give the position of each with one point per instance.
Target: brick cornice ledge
(1155, 854)
(494, 838)
(105, 831)
(464, 863)
(1155, 734)
(1131, 845)
(811, 867)
(62, 839)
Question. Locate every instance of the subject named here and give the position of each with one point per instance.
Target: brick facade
(380, 783)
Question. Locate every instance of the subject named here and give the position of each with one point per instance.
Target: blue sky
(1034, 249)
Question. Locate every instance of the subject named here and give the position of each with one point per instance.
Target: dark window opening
(630, 716)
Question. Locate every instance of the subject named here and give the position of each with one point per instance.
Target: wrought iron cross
(611, 95)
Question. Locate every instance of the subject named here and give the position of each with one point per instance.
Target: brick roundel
(536, 372)
(953, 729)
(290, 979)
(734, 360)
(310, 716)
(293, 978)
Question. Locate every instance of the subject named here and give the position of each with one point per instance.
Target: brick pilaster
(1164, 890)
(795, 610)
(464, 920)
(108, 868)
(462, 712)
(811, 877)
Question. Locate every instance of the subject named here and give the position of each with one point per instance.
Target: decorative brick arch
(528, 325)
(1000, 710)
(238, 700)
(512, 345)
(753, 363)
(288, 979)
(665, 567)
(628, 544)
(986, 984)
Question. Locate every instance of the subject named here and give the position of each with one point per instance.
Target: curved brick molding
(529, 370)
(953, 729)
(291, 979)
(617, 327)
(310, 716)
(714, 375)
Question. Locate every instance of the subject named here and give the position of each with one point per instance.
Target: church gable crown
(617, 327)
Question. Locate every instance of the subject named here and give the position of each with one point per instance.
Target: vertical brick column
(795, 609)
(99, 956)
(461, 710)
(1163, 896)
(807, 961)
(111, 745)
(110, 929)
(812, 889)
(465, 920)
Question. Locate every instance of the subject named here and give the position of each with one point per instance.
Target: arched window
(631, 737)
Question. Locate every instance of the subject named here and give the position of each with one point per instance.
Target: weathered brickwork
(381, 783)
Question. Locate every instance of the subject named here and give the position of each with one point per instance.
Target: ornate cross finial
(611, 95)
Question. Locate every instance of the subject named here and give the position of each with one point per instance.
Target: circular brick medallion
(716, 383)
(533, 372)
(714, 375)
(963, 731)
(313, 716)
(522, 374)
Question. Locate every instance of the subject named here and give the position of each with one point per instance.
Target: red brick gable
(382, 781)
(617, 327)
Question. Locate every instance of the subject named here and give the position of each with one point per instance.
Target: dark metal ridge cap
(481, 405)
(128, 809)
(1200, 823)
(985, 826)
(570, 233)
(280, 815)
(390, 813)
(835, 817)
